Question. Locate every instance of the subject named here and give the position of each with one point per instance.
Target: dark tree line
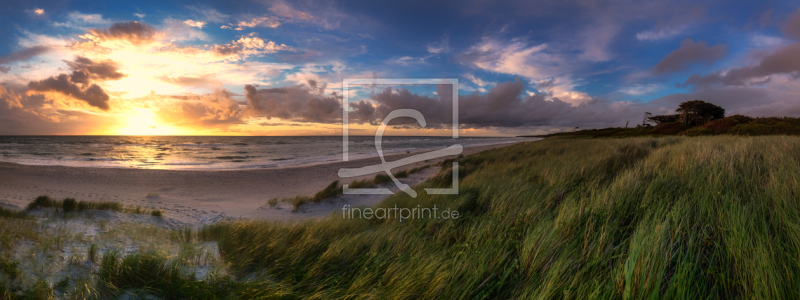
(691, 113)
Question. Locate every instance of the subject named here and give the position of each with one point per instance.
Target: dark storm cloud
(133, 32)
(85, 70)
(792, 26)
(688, 53)
(92, 94)
(784, 60)
(24, 54)
(505, 105)
(302, 103)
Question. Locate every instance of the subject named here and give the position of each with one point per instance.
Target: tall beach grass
(675, 218)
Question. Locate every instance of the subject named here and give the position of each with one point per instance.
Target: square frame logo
(385, 166)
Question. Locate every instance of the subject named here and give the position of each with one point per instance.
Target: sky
(277, 67)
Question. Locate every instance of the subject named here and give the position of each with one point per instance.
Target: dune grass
(71, 205)
(334, 189)
(10, 213)
(711, 217)
(675, 218)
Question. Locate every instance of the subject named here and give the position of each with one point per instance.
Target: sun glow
(142, 122)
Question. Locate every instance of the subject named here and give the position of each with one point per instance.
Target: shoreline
(195, 196)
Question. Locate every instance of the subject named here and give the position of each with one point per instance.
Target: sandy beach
(197, 196)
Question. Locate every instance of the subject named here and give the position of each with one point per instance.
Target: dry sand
(198, 197)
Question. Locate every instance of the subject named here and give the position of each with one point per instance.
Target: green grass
(334, 190)
(731, 125)
(71, 205)
(674, 218)
(152, 274)
(9, 213)
(705, 217)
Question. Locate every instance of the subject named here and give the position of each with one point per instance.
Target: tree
(698, 112)
(661, 119)
(692, 113)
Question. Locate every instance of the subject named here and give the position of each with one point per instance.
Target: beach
(199, 196)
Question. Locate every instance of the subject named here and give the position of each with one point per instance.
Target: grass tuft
(8, 213)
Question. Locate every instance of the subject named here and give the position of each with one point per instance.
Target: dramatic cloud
(80, 84)
(24, 54)
(792, 26)
(85, 70)
(93, 94)
(537, 63)
(690, 52)
(505, 105)
(25, 114)
(129, 32)
(301, 103)
(217, 109)
(784, 60)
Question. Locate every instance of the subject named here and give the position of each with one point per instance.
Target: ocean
(211, 152)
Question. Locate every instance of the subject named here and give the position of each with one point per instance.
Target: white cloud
(208, 14)
(478, 81)
(80, 20)
(442, 46)
(660, 34)
(140, 16)
(191, 23)
(38, 11)
(536, 63)
(765, 41)
(641, 89)
(253, 22)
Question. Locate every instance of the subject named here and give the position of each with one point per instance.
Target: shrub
(157, 213)
(361, 183)
(330, 191)
(93, 253)
(669, 128)
(722, 126)
(69, 205)
(43, 201)
(696, 131)
(382, 178)
(7, 213)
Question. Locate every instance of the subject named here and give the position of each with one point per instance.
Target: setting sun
(142, 122)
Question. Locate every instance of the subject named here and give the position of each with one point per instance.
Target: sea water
(211, 152)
